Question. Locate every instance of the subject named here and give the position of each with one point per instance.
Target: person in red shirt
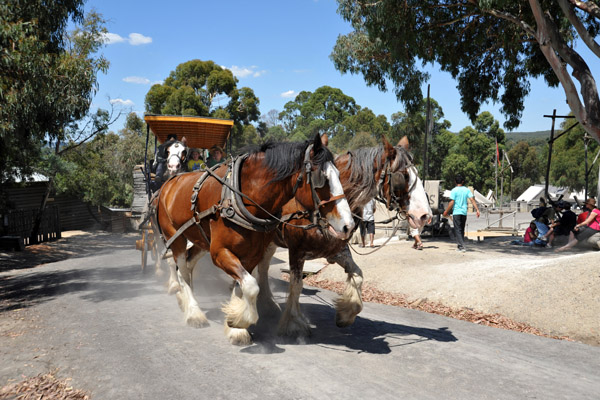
(589, 204)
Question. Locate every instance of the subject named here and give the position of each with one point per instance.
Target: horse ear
(184, 141)
(388, 148)
(404, 143)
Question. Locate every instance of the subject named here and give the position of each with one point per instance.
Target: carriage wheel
(144, 249)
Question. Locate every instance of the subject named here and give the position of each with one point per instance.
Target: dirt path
(558, 294)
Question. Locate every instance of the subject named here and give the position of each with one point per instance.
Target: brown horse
(364, 173)
(237, 234)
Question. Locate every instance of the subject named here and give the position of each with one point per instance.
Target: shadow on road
(74, 244)
(96, 285)
(364, 336)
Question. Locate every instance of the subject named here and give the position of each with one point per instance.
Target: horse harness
(231, 205)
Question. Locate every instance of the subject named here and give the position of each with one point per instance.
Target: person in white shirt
(367, 225)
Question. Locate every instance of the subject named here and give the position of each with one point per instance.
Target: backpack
(538, 212)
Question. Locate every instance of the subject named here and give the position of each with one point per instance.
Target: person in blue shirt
(459, 196)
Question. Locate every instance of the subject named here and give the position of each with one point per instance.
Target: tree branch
(551, 43)
(583, 33)
(587, 6)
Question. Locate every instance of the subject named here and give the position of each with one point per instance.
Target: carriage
(200, 133)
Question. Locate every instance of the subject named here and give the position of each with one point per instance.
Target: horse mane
(403, 159)
(361, 185)
(287, 158)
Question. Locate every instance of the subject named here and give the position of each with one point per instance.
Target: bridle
(316, 180)
(181, 157)
(395, 181)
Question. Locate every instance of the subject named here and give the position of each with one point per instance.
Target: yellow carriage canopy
(200, 132)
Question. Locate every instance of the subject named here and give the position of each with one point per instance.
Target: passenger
(583, 230)
(564, 225)
(216, 157)
(196, 163)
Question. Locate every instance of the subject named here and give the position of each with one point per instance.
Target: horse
(231, 211)
(175, 162)
(365, 173)
(176, 156)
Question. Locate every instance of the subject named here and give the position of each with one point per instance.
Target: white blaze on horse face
(175, 157)
(341, 222)
(419, 211)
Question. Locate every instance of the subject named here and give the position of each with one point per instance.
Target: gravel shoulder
(558, 294)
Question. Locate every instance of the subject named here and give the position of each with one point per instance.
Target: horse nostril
(346, 229)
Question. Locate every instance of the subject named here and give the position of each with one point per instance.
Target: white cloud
(110, 38)
(122, 103)
(137, 79)
(243, 72)
(135, 39)
(289, 94)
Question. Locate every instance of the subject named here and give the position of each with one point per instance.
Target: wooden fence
(19, 223)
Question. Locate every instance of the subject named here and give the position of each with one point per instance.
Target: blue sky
(276, 47)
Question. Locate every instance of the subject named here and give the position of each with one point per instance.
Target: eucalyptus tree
(491, 47)
(317, 112)
(48, 79)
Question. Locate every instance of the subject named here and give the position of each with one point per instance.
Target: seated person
(160, 160)
(531, 234)
(544, 221)
(589, 205)
(564, 225)
(216, 157)
(584, 230)
(195, 163)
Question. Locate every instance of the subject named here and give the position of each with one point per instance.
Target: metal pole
(550, 142)
(585, 144)
(496, 174)
(427, 117)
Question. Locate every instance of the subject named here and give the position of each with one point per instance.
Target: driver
(160, 159)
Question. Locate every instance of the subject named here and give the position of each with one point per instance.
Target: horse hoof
(343, 322)
(197, 320)
(237, 336)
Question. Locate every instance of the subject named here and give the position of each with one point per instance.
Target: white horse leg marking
(349, 304)
(241, 310)
(194, 316)
(173, 284)
(293, 323)
(266, 304)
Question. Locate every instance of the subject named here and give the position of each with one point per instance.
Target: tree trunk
(33, 236)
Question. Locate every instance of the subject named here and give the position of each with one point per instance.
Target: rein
(232, 207)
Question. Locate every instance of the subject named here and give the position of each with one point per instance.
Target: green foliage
(568, 159)
(315, 113)
(48, 77)
(362, 139)
(527, 167)
(101, 171)
(199, 88)
(486, 46)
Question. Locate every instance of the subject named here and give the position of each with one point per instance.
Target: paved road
(117, 334)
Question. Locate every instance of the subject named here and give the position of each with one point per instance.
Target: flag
(497, 153)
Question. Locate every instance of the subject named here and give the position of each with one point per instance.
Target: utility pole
(427, 123)
(551, 142)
